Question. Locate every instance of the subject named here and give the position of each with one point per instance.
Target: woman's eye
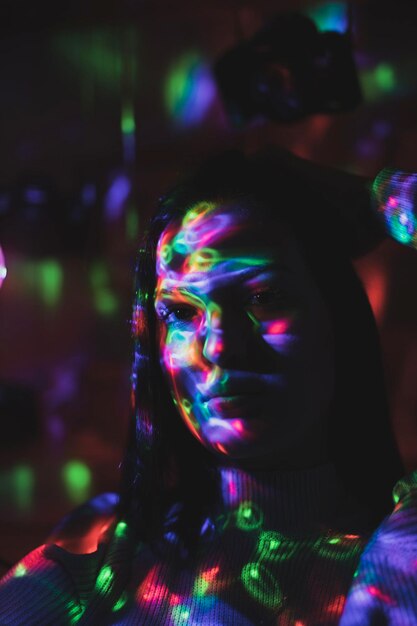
(267, 297)
(179, 313)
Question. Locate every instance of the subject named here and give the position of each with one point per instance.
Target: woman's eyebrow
(266, 270)
(242, 275)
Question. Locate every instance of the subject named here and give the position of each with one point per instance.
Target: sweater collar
(290, 499)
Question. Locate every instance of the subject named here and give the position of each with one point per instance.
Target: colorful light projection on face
(394, 196)
(231, 300)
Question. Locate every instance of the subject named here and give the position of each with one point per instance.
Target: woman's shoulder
(52, 584)
(80, 531)
(385, 584)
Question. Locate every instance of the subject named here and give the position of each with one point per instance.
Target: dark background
(101, 105)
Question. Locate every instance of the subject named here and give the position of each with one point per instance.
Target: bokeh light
(189, 90)
(378, 82)
(330, 16)
(77, 479)
(50, 280)
(116, 197)
(3, 268)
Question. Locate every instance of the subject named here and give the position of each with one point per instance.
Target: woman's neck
(287, 499)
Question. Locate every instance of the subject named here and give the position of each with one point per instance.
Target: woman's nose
(227, 338)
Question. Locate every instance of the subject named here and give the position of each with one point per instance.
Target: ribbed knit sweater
(284, 551)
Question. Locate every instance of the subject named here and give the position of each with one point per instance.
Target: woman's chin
(236, 438)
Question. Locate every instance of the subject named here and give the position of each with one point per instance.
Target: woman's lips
(233, 406)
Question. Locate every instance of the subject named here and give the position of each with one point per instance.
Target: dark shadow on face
(246, 340)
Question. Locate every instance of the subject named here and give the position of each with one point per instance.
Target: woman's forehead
(223, 229)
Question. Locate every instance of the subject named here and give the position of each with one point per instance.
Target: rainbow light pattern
(394, 198)
(259, 579)
(190, 265)
(255, 581)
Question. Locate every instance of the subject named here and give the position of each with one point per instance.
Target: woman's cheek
(280, 334)
(180, 350)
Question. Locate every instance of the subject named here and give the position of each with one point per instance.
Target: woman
(253, 477)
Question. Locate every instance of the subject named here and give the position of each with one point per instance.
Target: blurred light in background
(189, 90)
(23, 480)
(3, 268)
(116, 197)
(132, 224)
(105, 302)
(5, 202)
(51, 276)
(128, 127)
(17, 488)
(35, 195)
(330, 16)
(378, 82)
(77, 479)
(96, 55)
(88, 194)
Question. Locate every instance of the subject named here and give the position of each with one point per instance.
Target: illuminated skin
(245, 337)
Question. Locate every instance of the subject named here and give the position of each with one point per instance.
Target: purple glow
(34, 195)
(116, 197)
(88, 194)
(5, 202)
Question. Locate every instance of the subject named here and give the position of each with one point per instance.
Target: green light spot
(132, 223)
(128, 120)
(50, 279)
(204, 259)
(378, 82)
(334, 540)
(261, 585)
(121, 529)
(166, 254)
(97, 55)
(77, 478)
(275, 547)
(105, 302)
(75, 612)
(186, 405)
(180, 614)
(120, 603)
(99, 276)
(20, 570)
(23, 482)
(200, 587)
(385, 77)
(104, 579)
(254, 320)
(248, 517)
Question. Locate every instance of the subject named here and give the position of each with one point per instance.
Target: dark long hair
(164, 464)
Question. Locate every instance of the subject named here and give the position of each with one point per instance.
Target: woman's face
(246, 341)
